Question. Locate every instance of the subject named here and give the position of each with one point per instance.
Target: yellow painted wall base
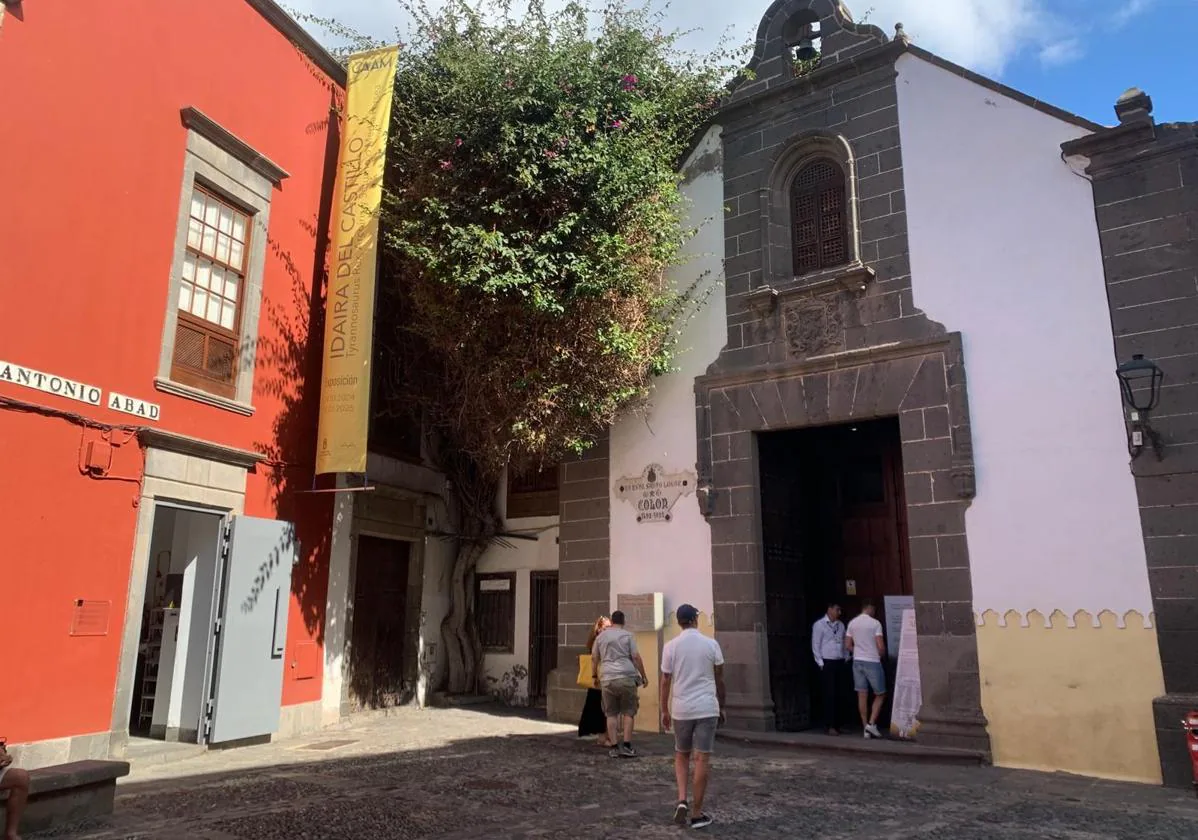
(1076, 699)
(648, 719)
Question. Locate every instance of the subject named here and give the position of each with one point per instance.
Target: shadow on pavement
(556, 786)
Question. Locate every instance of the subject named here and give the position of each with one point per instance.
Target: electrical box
(98, 456)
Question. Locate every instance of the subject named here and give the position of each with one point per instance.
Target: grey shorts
(869, 676)
(620, 698)
(695, 735)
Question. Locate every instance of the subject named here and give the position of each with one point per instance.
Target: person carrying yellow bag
(593, 721)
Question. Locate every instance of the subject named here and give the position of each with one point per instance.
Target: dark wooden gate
(378, 643)
(873, 517)
(786, 607)
(542, 633)
(873, 526)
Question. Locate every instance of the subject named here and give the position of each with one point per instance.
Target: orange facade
(91, 184)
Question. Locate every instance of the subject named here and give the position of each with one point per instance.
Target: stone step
(853, 743)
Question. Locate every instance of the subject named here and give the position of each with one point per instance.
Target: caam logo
(382, 62)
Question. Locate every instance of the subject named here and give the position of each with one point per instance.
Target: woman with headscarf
(593, 721)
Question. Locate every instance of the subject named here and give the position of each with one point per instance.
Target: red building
(166, 173)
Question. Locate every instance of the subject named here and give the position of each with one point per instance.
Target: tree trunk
(459, 632)
(477, 525)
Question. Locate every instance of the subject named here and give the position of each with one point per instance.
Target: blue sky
(1151, 46)
(1076, 54)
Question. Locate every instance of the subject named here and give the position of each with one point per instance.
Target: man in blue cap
(692, 699)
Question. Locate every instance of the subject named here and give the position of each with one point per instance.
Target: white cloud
(984, 35)
(1128, 10)
(1061, 52)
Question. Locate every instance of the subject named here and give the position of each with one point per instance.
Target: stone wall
(1145, 179)
(584, 571)
(834, 346)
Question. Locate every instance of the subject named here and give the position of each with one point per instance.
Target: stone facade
(833, 346)
(1145, 178)
(584, 571)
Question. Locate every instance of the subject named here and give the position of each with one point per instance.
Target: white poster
(908, 694)
(895, 606)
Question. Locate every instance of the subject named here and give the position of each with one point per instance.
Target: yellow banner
(349, 309)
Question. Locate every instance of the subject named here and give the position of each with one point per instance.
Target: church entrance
(833, 520)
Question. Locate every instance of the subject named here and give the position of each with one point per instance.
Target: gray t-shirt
(614, 649)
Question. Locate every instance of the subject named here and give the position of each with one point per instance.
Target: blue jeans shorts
(695, 735)
(869, 676)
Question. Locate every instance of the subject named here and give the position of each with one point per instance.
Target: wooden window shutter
(819, 217)
(204, 358)
(212, 292)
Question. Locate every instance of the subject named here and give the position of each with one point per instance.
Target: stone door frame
(920, 382)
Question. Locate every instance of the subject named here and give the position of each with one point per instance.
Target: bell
(806, 50)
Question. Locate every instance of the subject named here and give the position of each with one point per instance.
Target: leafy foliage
(531, 208)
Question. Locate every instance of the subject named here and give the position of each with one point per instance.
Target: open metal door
(251, 629)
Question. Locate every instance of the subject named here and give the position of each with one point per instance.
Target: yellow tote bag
(586, 678)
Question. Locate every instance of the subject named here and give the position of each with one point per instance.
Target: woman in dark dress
(593, 721)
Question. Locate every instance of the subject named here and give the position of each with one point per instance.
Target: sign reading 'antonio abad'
(67, 388)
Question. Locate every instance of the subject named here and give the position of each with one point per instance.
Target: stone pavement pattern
(454, 774)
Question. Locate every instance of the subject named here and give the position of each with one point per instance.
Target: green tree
(531, 209)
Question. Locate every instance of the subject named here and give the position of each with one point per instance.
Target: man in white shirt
(692, 699)
(827, 646)
(865, 641)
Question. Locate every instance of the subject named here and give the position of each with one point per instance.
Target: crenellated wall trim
(1056, 619)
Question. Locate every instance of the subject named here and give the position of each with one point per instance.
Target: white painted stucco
(507, 674)
(434, 606)
(337, 608)
(1004, 249)
(674, 557)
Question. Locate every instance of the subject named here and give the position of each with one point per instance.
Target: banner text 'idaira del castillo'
(349, 309)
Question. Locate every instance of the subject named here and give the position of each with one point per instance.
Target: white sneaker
(871, 731)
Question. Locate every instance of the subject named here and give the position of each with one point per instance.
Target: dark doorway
(542, 634)
(378, 640)
(833, 521)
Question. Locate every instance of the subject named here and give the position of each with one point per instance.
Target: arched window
(819, 217)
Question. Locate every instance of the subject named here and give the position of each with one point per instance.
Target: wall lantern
(1140, 380)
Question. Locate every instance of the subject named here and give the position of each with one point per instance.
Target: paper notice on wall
(642, 613)
(908, 693)
(895, 606)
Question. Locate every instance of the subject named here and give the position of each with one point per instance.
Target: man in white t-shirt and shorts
(865, 642)
(692, 700)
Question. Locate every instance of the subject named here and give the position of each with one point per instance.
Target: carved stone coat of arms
(812, 326)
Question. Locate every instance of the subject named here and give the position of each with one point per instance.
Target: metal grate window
(818, 217)
(495, 610)
(210, 294)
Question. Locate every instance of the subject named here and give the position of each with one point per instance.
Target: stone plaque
(654, 492)
(642, 613)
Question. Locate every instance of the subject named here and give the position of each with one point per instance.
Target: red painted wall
(91, 162)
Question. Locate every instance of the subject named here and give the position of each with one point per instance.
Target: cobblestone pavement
(463, 774)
